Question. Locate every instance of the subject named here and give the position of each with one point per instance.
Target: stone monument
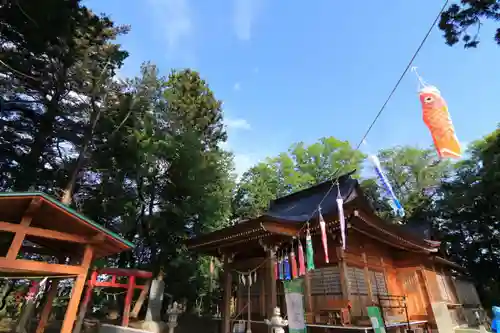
(153, 322)
(155, 299)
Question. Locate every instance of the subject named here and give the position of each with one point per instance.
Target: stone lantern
(173, 312)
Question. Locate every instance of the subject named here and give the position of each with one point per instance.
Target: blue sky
(292, 71)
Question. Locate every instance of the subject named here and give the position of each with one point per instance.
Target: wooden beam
(111, 284)
(125, 272)
(141, 299)
(76, 294)
(23, 265)
(17, 242)
(43, 233)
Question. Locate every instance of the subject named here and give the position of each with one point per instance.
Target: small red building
(68, 242)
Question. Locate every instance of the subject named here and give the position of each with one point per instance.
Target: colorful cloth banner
(394, 202)
(376, 319)
(294, 297)
(286, 266)
(340, 208)
(302, 265)
(324, 237)
(309, 252)
(280, 268)
(293, 262)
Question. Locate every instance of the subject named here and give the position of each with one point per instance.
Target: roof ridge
(69, 210)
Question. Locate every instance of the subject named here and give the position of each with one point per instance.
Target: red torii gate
(130, 286)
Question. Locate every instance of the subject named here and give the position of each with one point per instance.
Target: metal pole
(406, 312)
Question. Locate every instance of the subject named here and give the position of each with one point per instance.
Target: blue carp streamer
(395, 204)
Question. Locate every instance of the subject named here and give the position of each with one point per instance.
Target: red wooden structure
(130, 286)
(35, 223)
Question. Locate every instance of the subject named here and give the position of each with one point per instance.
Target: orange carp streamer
(437, 119)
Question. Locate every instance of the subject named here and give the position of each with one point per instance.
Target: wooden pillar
(44, 316)
(140, 300)
(226, 306)
(128, 301)
(307, 290)
(344, 280)
(263, 293)
(272, 299)
(85, 304)
(76, 294)
(368, 278)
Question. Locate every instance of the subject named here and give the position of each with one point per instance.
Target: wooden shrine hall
(63, 242)
(387, 265)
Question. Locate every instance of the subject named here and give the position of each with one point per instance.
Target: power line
(382, 108)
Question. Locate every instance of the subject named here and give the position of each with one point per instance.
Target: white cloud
(238, 123)
(243, 162)
(244, 14)
(237, 86)
(176, 23)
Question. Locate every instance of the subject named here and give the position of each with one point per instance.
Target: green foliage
(415, 175)
(141, 156)
(162, 177)
(45, 72)
(469, 215)
(301, 167)
(457, 21)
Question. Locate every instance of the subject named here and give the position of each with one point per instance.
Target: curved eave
(226, 237)
(379, 230)
(449, 263)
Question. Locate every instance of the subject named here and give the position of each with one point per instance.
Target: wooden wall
(373, 268)
(359, 274)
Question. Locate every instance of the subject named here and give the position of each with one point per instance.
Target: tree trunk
(67, 196)
(26, 179)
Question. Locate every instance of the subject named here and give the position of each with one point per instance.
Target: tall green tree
(158, 176)
(469, 215)
(52, 80)
(461, 22)
(301, 167)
